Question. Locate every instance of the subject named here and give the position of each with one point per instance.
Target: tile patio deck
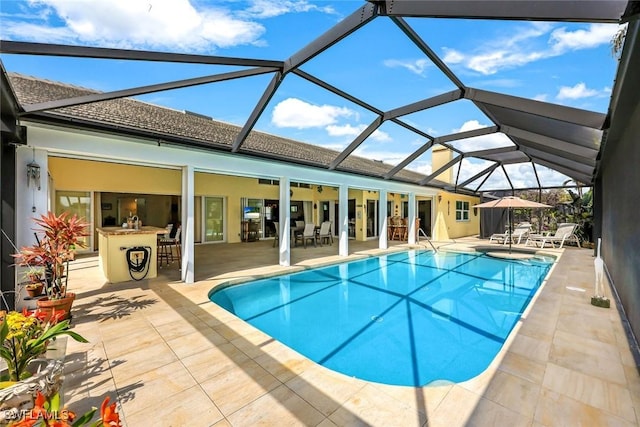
(172, 358)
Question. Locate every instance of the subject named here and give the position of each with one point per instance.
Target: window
(78, 203)
(462, 211)
(300, 185)
(268, 181)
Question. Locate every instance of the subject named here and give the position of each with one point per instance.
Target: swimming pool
(406, 318)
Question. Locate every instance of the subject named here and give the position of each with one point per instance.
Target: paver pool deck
(170, 357)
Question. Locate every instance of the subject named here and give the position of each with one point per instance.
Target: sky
(563, 63)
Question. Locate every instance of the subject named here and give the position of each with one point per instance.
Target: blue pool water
(407, 318)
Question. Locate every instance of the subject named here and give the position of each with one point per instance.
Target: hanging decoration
(33, 175)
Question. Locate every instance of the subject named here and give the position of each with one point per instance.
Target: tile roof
(165, 123)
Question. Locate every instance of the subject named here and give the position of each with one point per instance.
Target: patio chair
(573, 237)
(325, 233)
(564, 232)
(309, 233)
(521, 230)
(165, 245)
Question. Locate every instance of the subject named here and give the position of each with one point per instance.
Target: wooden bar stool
(164, 251)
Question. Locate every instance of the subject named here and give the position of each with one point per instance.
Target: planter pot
(48, 306)
(34, 290)
(46, 379)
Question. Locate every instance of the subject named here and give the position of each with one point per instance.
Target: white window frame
(464, 212)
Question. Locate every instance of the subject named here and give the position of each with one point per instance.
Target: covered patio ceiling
(565, 139)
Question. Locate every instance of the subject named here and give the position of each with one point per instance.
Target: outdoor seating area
(520, 232)
(169, 247)
(564, 233)
(398, 228)
(312, 233)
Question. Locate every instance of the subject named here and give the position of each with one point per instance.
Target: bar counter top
(120, 231)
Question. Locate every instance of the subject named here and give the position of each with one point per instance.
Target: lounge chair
(309, 233)
(521, 230)
(565, 232)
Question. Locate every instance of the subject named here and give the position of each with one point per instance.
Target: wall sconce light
(440, 197)
(475, 211)
(291, 193)
(33, 175)
(449, 207)
(319, 188)
(315, 206)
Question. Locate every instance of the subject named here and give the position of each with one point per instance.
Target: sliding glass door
(214, 223)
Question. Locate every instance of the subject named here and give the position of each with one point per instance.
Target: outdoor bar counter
(121, 252)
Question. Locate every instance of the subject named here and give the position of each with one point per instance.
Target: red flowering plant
(24, 337)
(53, 250)
(47, 413)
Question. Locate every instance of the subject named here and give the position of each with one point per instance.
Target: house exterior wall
(446, 227)
(31, 202)
(87, 175)
(95, 162)
(72, 174)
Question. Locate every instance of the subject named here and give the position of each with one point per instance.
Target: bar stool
(176, 243)
(165, 251)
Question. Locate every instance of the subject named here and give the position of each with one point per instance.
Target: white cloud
(14, 30)
(353, 131)
(295, 113)
(388, 157)
(421, 167)
(521, 175)
(471, 167)
(578, 91)
(596, 35)
(541, 97)
(344, 130)
(483, 142)
(417, 66)
(492, 62)
(175, 24)
(381, 136)
(452, 56)
(271, 8)
(523, 46)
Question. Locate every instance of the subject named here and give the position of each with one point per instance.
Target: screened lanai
(508, 139)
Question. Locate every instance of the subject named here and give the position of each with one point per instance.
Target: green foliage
(24, 337)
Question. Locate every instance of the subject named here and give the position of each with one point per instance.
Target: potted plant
(24, 337)
(52, 252)
(35, 281)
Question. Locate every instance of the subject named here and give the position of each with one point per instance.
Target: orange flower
(110, 417)
(43, 415)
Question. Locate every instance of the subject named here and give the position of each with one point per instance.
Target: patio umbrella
(511, 202)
